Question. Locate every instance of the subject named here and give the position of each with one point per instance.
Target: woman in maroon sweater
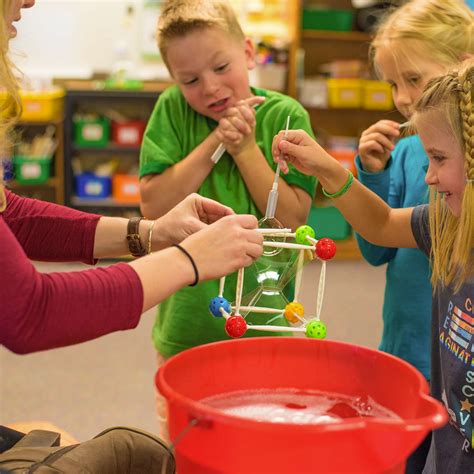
(41, 311)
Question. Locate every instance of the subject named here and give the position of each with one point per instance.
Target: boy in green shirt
(209, 57)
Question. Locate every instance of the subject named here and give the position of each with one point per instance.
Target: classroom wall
(74, 38)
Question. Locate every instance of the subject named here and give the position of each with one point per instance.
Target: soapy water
(296, 407)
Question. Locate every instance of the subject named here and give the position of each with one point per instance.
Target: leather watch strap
(133, 237)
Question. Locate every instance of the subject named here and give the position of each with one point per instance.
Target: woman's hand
(189, 216)
(225, 246)
(376, 145)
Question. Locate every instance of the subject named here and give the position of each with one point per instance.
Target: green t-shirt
(173, 131)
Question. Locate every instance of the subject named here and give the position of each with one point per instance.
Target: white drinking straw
(287, 245)
(299, 274)
(276, 328)
(260, 309)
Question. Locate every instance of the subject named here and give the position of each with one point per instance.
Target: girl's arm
(293, 202)
(369, 215)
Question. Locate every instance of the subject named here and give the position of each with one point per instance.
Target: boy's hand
(237, 129)
(299, 149)
(191, 215)
(376, 145)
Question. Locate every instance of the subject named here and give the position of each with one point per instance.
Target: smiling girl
(444, 230)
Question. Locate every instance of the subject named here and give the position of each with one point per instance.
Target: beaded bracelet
(345, 187)
(193, 263)
(150, 235)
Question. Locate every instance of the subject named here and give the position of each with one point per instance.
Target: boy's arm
(293, 202)
(161, 192)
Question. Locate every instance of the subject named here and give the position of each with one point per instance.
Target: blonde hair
(443, 27)
(10, 107)
(181, 17)
(452, 237)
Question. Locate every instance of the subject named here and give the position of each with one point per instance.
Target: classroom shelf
(106, 202)
(53, 189)
(109, 149)
(90, 97)
(324, 35)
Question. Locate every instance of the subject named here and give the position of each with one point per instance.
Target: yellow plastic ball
(293, 309)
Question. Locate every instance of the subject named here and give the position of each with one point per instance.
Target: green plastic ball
(302, 232)
(316, 330)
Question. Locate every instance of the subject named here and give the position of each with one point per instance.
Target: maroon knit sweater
(41, 311)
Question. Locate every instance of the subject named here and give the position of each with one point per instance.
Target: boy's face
(446, 172)
(407, 72)
(211, 69)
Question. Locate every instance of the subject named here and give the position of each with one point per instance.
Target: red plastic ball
(325, 249)
(236, 326)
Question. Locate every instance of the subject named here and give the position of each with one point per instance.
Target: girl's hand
(189, 216)
(299, 149)
(237, 129)
(225, 246)
(376, 145)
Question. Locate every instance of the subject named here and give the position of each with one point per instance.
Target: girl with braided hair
(443, 229)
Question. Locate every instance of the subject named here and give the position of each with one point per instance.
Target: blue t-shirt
(407, 300)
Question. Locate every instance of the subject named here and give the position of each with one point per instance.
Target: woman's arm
(50, 232)
(43, 311)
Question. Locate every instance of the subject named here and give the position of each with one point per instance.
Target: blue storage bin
(89, 185)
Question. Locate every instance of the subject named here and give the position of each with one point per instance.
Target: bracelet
(343, 190)
(193, 263)
(150, 233)
(133, 237)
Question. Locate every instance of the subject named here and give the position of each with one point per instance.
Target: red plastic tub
(211, 441)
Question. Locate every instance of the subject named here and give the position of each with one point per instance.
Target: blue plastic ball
(217, 303)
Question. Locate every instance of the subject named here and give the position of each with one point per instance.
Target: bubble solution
(296, 407)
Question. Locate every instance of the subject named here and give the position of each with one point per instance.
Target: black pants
(416, 462)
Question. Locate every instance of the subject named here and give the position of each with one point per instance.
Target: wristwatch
(133, 237)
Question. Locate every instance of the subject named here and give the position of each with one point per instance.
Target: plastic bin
(41, 106)
(327, 19)
(269, 76)
(314, 92)
(128, 133)
(125, 188)
(29, 170)
(345, 93)
(329, 222)
(212, 441)
(346, 158)
(377, 95)
(92, 133)
(91, 186)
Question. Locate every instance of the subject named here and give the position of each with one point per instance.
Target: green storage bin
(327, 19)
(92, 133)
(29, 170)
(329, 222)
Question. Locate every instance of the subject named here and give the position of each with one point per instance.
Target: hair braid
(466, 79)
